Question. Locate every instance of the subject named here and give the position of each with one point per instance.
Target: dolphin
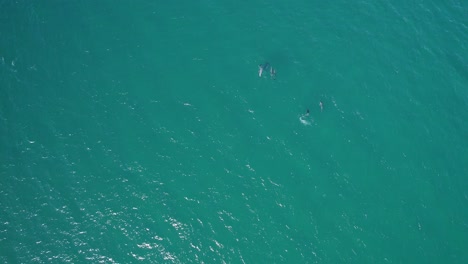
(262, 67)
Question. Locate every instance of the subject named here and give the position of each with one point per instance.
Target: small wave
(304, 120)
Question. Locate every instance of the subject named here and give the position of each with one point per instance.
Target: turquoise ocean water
(139, 131)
